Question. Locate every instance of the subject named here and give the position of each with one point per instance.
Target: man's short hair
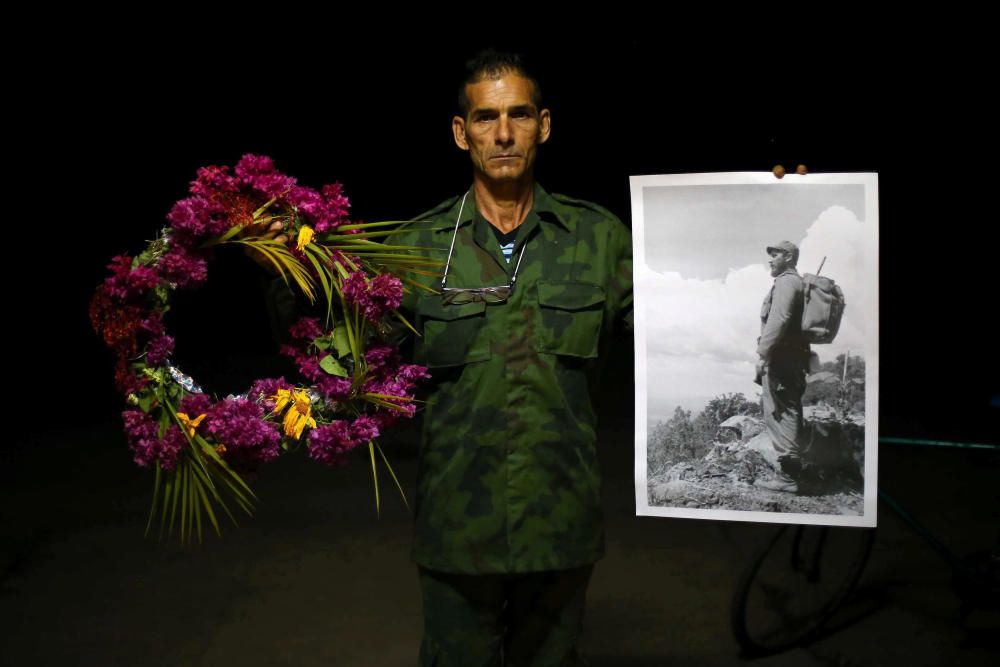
(493, 64)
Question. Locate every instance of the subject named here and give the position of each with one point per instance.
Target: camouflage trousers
(514, 620)
(783, 384)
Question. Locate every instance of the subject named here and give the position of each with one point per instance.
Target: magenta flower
(170, 447)
(378, 356)
(387, 290)
(125, 282)
(259, 173)
(364, 429)
(306, 329)
(309, 202)
(239, 424)
(324, 211)
(310, 368)
(329, 443)
(196, 404)
(183, 268)
(262, 391)
(160, 348)
(334, 388)
(142, 434)
(195, 218)
(355, 287)
(337, 204)
(130, 383)
(189, 216)
(153, 324)
(375, 297)
(213, 180)
(410, 374)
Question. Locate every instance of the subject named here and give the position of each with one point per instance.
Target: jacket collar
(545, 206)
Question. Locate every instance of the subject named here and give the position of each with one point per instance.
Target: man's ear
(544, 125)
(458, 129)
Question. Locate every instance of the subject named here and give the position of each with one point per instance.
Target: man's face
(503, 128)
(780, 260)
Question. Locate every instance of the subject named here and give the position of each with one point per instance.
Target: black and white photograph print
(756, 346)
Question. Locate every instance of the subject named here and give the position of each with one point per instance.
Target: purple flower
(324, 211)
(142, 279)
(187, 216)
(213, 180)
(410, 374)
(142, 434)
(337, 204)
(196, 404)
(170, 447)
(125, 282)
(258, 172)
(376, 297)
(196, 217)
(355, 287)
(306, 329)
(130, 383)
(364, 429)
(379, 356)
(330, 442)
(334, 388)
(239, 424)
(159, 349)
(387, 289)
(143, 438)
(309, 202)
(310, 368)
(262, 391)
(153, 324)
(183, 268)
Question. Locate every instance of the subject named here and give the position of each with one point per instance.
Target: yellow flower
(188, 424)
(305, 237)
(281, 399)
(299, 415)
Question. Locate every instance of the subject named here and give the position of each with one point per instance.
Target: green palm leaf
(371, 452)
(394, 478)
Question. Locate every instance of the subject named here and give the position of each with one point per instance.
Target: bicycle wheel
(795, 583)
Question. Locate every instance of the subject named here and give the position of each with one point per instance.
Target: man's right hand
(274, 232)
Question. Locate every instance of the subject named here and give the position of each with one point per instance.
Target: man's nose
(504, 134)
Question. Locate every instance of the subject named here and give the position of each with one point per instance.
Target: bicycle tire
(795, 583)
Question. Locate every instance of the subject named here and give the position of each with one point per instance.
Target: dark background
(125, 122)
(113, 115)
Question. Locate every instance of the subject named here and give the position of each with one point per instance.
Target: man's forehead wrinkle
(496, 99)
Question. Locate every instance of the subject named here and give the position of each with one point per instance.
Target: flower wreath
(356, 387)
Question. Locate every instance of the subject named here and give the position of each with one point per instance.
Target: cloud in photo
(701, 335)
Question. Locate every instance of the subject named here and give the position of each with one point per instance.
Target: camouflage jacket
(508, 478)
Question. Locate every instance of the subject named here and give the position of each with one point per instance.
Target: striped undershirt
(506, 241)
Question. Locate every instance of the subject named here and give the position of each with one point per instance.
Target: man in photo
(783, 364)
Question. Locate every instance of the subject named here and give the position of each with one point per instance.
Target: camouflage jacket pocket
(452, 335)
(570, 316)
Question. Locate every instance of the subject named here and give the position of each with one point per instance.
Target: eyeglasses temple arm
(451, 250)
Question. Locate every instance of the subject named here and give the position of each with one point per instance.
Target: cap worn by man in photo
(786, 246)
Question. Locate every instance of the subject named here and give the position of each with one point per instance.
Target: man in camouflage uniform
(783, 364)
(508, 515)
